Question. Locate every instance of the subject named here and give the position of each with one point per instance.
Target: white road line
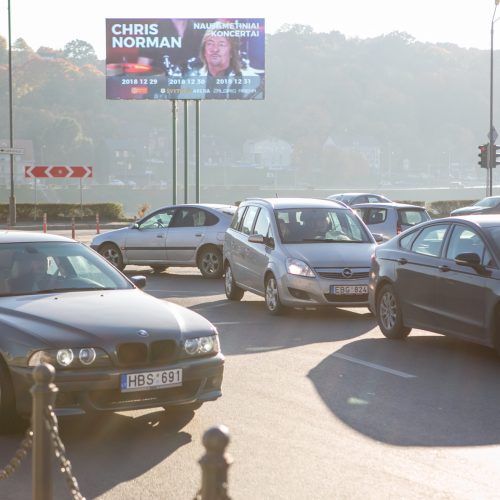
(373, 365)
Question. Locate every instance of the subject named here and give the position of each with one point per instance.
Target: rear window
(412, 216)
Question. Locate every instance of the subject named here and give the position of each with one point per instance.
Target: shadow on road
(451, 400)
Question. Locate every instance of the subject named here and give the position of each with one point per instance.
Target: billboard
(185, 59)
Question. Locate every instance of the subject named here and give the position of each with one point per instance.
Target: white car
(175, 235)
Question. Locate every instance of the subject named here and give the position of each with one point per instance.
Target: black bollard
(215, 464)
(44, 393)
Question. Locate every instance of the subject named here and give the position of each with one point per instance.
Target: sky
(53, 23)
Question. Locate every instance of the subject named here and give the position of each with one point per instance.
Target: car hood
(332, 254)
(468, 210)
(99, 319)
(114, 235)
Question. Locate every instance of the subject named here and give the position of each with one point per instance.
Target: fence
(44, 441)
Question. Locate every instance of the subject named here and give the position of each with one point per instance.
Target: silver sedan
(176, 235)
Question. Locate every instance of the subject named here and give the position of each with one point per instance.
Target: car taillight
(398, 228)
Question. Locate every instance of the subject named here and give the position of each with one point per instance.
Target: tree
(80, 52)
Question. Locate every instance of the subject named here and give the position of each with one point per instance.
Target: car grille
(140, 353)
(336, 274)
(113, 399)
(346, 298)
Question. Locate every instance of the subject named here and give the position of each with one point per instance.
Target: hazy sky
(53, 23)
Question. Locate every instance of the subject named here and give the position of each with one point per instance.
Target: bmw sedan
(442, 276)
(177, 235)
(113, 346)
(298, 252)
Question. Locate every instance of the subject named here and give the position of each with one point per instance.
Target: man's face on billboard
(217, 53)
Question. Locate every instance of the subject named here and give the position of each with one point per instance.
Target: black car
(442, 276)
(489, 205)
(113, 346)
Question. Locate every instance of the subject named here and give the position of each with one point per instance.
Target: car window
(235, 222)
(158, 219)
(376, 216)
(248, 220)
(263, 224)
(466, 240)
(186, 217)
(411, 216)
(406, 241)
(374, 199)
(430, 240)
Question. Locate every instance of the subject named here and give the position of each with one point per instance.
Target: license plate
(150, 380)
(350, 290)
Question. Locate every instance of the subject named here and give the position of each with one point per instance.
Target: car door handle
(402, 260)
(444, 269)
(159, 235)
(199, 235)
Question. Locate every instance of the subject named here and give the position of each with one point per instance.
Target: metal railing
(44, 440)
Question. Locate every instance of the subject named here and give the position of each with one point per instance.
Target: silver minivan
(297, 252)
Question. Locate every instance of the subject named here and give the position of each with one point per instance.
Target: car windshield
(44, 267)
(320, 225)
(487, 202)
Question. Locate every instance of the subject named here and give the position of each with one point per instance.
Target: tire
(210, 262)
(112, 254)
(159, 269)
(272, 297)
(10, 421)
(389, 317)
(233, 291)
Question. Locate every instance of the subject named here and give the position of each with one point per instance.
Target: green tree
(80, 52)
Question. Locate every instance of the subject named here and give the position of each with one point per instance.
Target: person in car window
(29, 273)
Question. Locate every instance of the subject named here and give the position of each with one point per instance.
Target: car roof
(387, 205)
(16, 236)
(283, 203)
(481, 220)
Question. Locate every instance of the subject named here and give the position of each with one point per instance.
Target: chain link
(21, 452)
(60, 452)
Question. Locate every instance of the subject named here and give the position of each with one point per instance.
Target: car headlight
(299, 268)
(71, 358)
(201, 346)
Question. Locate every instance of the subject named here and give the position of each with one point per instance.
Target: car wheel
(389, 317)
(233, 291)
(159, 269)
(112, 254)
(9, 419)
(272, 296)
(210, 262)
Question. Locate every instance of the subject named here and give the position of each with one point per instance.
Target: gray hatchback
(298, 252)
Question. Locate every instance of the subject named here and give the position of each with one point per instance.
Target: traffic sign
(11, 151)
(58, 171)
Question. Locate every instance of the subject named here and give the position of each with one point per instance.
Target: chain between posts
(18, 457)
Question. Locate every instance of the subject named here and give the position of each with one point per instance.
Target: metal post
(81, 199)
(197, 151)
(492, 131)
(215, 464)
(186, 154)
(44, 393)
(174, 152)
(12, 198)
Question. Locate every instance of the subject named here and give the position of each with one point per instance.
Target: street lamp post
(12, 198)
(492, 135)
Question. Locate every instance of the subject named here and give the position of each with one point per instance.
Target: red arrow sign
(57, 171)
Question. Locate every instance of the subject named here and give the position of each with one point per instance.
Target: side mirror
(135, 225)
(473, 260)
(379, 238)
(256, 238)
(138, 281)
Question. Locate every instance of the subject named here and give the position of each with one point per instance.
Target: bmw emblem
(347, 273)
(143, 333)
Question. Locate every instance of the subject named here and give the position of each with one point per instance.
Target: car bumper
(299, 291)
(91, 391)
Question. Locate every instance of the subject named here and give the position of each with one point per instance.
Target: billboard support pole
(174, 152)
(186, 168)
(197, 151)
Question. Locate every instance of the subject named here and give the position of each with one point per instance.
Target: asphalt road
(318, 405)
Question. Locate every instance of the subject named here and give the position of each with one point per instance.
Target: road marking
(373, 365)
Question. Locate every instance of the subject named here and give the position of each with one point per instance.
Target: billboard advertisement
(185, 59)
